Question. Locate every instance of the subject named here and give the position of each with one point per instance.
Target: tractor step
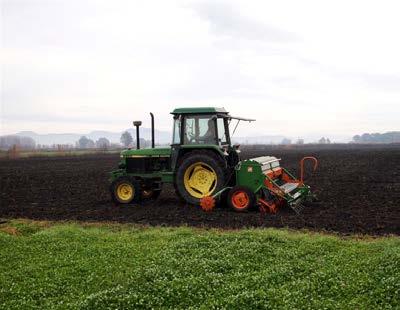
(289, 187)
(297, 206)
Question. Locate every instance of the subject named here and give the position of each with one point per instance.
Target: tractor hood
(156, 152)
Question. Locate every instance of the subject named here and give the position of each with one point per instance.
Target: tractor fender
(184, 149)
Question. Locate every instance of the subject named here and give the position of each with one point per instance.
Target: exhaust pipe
(137, 124)
(152, 130)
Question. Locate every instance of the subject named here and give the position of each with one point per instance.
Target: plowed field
(358, 190)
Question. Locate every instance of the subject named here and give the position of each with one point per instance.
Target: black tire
(249, 197)
(115, 189)
(205, 157)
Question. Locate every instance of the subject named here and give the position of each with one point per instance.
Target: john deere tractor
(204, 166)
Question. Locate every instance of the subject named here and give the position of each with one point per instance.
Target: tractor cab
(201, 126)
(204, 128)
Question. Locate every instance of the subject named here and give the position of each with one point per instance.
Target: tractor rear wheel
(125, 190)
(241, 199)
(199, 174)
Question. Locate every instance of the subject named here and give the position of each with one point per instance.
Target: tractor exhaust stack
(152, 130)
(137, 124)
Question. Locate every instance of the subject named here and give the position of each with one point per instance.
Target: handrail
(302, 166)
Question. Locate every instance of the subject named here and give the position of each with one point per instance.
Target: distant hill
(387, 137)
(161, 137)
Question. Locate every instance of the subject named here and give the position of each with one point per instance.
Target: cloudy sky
(301, 68)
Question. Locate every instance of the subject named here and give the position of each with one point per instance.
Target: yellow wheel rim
(200, 180)
(125, 191)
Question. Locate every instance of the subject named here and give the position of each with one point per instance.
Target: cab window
(221, 131)
(176, 138)
(200, 129)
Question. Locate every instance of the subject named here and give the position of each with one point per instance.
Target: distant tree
(328, 141)
(21, 142)
(85, 143)
(387, 137)
(357, 138)
(82, 142)
(91, 144)
(322, 140)
(103, 143)
(366, 138)
(126, 138)
(300, 141)
(27, 143)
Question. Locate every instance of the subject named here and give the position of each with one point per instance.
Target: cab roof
(202, 110)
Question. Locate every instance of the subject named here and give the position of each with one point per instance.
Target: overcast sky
(298, 67)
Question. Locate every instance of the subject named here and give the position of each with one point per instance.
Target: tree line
(28, 143)
(103, 143)
(387, 137)
(126, 140)
(25, 143)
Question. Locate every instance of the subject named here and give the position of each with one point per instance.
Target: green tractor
(204, 165)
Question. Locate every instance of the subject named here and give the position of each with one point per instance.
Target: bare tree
(85, 143)
(103, 143)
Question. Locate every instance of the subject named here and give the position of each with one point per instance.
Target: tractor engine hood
(156, 152)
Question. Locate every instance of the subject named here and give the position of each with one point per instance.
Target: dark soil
(358, 190)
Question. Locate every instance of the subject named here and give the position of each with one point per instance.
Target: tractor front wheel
(199, 174)
(124, 191)
(241, 199)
